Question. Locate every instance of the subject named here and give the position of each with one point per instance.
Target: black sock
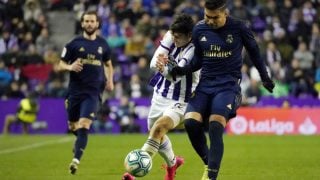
(75, 132)
(197, 137)
(81, 142)
(216, 148)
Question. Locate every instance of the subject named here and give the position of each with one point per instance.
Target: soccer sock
(216, 148)
(81, 142)
(151, 146)
(75, 133)
(166, 151)
(198, 138)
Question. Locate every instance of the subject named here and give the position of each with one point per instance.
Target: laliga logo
(241, 125)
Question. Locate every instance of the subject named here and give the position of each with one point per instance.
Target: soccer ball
(138, 163)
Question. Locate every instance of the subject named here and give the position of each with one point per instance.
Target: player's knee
(85, 123)
(160, 127)
(190, 123)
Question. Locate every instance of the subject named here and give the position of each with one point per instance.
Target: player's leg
(73, 120)
(196, 133)
(86, 110)
(152, 144)
(157, 132)
(223, 106)
(194, 124)
(7, 123)
(25, 127)
(174, 114)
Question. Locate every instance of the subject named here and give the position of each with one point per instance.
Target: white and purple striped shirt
(181, 89)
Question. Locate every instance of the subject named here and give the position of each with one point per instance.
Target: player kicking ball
(170, 96)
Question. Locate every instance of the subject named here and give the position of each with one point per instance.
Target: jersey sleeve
(187, 57)
(66, 53)
(106, 56)
(196, 61)
(163, 48)
(253, 50)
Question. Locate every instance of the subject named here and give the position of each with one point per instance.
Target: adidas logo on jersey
(81, 49)
(203, 38)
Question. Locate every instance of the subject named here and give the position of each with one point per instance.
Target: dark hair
(182, 23)
(215, 4)
(89, 13)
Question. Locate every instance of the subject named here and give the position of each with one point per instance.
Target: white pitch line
(36, 145)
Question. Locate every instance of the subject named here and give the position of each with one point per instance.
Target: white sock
(76, 160)
(166, 151)
(151, 146)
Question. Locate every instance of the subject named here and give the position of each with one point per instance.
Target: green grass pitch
(245, 158)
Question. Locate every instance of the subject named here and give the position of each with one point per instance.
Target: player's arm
(161, 53)
(76, 66)
(254, 53)
(108, 70)
(195, 63)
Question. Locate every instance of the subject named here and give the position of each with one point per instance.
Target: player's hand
(268, 84)
(162, 60)
(77, 66)
(171, 63)
(109, 86)
(174, 72)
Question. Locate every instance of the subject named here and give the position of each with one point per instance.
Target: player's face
(215, 18)
(90, 24)
(181, 39)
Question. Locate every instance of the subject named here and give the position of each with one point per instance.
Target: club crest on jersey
(229, 38)
(203, 39)
(100, 50)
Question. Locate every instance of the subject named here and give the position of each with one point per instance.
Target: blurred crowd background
(33, 32)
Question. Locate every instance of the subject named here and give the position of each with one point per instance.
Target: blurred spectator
(315, 43)
(8, 42)
(144, 73)
(125, 116)
(26, 114)
(103, 123)
(296, 79)
(135, 86)
(43, 42)
(304, 56)
(32, 10)
(285, 12)
(239, 10)
(5, 77)
(103, 9)
(79, 8)
(14, 91)
(252, 93)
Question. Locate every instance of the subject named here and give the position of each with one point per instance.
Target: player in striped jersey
(170, 97)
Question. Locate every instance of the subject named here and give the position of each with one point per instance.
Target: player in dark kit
(219, 40)
(87, 57)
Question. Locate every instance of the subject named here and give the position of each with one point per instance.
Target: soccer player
(170, 97)
(218, 40)
(87, 57)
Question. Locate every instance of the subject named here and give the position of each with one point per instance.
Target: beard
(89, 32)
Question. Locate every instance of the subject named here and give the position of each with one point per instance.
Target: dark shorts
(82, 107)
(223, 101)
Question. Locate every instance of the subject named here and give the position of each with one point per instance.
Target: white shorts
(161, 106)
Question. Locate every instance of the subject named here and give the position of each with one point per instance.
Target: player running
(87, 57)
